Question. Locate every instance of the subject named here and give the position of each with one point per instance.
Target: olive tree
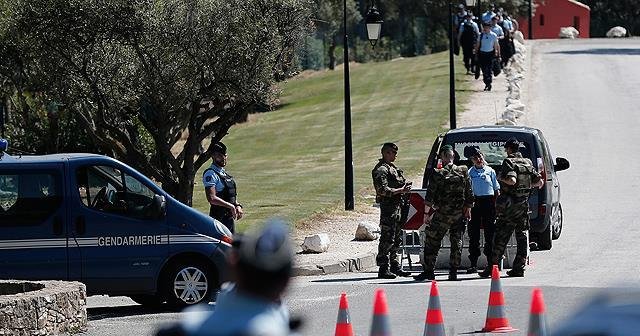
(149, 81)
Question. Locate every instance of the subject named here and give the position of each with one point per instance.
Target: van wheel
(147, 300)
(189, 283)
(544, 240)
(557, 228)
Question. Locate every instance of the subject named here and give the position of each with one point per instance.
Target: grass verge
(289, 162)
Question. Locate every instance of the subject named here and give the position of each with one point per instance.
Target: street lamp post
(374, 24)
(530, 20)
(452, 77)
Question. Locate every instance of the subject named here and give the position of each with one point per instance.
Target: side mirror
(561, 164)
(158, 206)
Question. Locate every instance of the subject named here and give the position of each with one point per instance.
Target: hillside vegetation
(290, 162)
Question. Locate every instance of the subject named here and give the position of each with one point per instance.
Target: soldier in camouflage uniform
(517, 177)
(390, 187)
(449, 192)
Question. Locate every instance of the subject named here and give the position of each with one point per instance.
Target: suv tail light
(542, 209)
(541, 169)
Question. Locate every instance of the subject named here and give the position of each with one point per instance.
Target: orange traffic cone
(537, 319)
(434, 324)
(380, 324)
(496, 318)
(343, 326)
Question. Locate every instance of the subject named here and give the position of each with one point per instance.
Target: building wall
(552, 15)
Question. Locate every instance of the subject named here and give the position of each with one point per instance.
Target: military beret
(219, 147)
(446, 148)
(512, 143)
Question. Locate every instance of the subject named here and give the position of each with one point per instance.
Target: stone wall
(42, 307)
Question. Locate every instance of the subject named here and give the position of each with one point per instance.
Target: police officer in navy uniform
(220, 188)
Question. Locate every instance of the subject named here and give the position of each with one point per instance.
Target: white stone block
(617, 32)
(516, 106)
(568, 32)
(317, 243)
(518, 36)
(367, 231)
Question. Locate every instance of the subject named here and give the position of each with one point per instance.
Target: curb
(355, 264)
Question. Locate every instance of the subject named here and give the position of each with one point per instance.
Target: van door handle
(81, 226)
(57, 225)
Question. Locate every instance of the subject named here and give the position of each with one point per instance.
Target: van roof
(494, 128)
(6, 158)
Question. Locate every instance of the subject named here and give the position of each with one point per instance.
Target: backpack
(525, 171)
(468, 33)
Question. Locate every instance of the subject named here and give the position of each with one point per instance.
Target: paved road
(584, 98)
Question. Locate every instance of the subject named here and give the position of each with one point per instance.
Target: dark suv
(546, 211)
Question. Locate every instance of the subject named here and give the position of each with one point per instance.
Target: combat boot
(517, 273)
(453, 274)
(397, 270)
(426, 275)
(486, 273)
(383, 273)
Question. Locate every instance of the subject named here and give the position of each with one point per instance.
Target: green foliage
(140, 76)
(312, 55)
(610, 13)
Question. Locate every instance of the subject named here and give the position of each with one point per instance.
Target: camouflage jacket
(387, 176)
(450, 190)
(522, 170)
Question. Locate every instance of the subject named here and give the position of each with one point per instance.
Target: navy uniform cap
(472, 151)
(389, 145)
(219, 147)
(512, 143)
(269, 250)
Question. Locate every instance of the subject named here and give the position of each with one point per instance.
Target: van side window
(107, 189)
(28, 198)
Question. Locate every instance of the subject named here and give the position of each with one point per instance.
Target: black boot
(397, 270)
(453, 274)
(473, 268)
(516, 273)
(383, 273)
(426, 275)
(486, 273)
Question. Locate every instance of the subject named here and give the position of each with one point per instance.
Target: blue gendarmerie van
(90, 218)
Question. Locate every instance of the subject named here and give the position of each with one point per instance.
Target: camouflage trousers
(433, 240)
(512, 220)
(390, 234)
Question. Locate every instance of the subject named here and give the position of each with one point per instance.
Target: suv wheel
(189, 283)
(557, 227)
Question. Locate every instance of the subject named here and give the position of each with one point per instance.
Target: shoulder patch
(208, 178)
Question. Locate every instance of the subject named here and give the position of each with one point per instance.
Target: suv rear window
(493, 152)
(28, 198)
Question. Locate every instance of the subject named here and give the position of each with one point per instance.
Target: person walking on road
(220, 189)
(467, 38)
(483, 215)
(457, 19)
(487, 49)
(390, 187)
(449, 193)
(517, 178)
(491, 12)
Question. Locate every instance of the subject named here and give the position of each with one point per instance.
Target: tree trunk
(332, 53)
